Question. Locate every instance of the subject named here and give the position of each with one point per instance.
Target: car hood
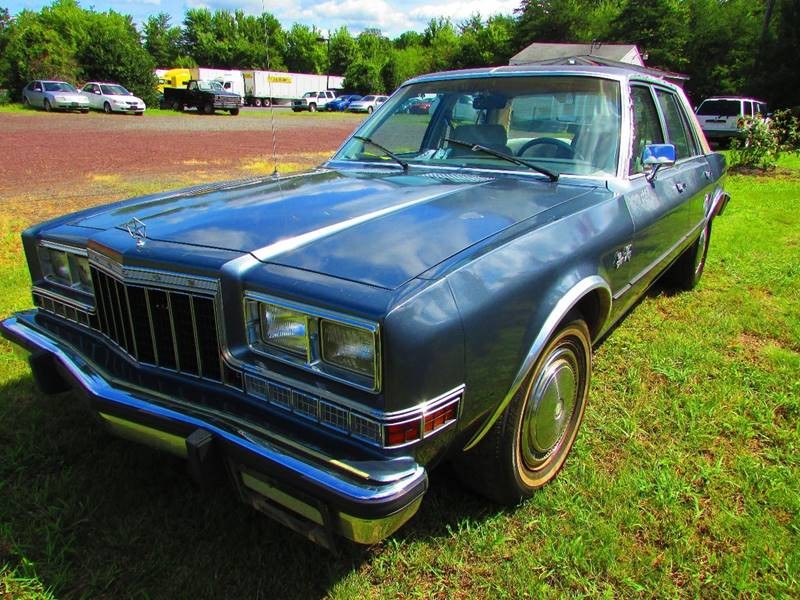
(381, 228)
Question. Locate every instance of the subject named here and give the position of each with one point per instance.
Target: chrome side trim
(562, 307)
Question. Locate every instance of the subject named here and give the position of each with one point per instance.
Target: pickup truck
(205, 96)
(313, 101)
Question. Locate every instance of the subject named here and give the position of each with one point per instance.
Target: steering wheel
(562, 149)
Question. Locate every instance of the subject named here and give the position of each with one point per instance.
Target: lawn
(684, 480)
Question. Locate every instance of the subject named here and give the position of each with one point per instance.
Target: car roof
(734, 98)
(618, 73)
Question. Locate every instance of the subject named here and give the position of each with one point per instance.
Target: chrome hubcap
(550, 407)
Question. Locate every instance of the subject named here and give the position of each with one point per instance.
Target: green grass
(684, 480)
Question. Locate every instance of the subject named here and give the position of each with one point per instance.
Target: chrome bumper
(306, 489)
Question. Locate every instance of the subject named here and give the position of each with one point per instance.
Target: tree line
(724, 46)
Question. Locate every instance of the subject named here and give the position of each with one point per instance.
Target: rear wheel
(177, 106)
(257, 102)
(107, 108)
(47, 106)
(25, 102)
(686, 272)
(208, 108)
(529, 443)
(266, 102)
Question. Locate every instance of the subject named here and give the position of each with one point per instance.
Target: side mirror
(657, 156)
(98, 92)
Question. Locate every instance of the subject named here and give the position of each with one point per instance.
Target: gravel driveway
(51, 149)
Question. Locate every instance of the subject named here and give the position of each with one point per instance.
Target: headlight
(61, 98)
(66, 268)
(351, 348)
(341, 347)
(284, 328)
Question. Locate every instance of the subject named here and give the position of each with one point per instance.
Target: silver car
(54, 95)
(112, 97)
(367, 104)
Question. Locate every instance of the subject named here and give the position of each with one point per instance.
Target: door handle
(680, 186)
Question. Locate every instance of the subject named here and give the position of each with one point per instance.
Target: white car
(112, 97)
(367, 104)
(720, 117)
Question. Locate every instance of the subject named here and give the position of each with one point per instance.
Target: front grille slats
(171, 329)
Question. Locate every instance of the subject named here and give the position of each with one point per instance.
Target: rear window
(720, 108)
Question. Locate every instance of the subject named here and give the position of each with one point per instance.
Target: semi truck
(230, 79)
(263, 88)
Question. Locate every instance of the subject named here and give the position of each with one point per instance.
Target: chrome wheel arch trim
(567, 302)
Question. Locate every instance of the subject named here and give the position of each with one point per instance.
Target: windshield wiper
(388, 152)
(513, 159)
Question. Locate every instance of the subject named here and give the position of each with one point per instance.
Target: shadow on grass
(91, 515)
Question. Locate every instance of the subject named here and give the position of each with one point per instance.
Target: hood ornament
(138, 231)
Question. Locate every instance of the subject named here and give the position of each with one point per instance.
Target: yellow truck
(176, 78)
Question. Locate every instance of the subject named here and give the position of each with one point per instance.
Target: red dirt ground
(49, 150)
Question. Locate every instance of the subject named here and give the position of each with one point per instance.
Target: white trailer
(232, 80)
(263, 88)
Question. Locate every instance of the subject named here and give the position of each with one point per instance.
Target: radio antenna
(271, 99)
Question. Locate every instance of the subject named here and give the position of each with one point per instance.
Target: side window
(646, 126)
(677, 126)
(37, 87)
(193, 85)
(748, 108)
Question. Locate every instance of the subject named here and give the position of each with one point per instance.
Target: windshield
(114, 90)
(564, 124)
(310, 95)
(368, 98)
(58, 86)
(720, 108)
(210, 86)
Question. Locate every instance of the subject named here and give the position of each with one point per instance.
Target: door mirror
(657, 156)
(97, 92)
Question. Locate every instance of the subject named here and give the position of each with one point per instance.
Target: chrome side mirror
(656, 156)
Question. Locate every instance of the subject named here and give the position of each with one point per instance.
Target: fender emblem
(623, 256)
(137, 230)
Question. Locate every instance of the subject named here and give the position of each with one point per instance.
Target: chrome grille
(175, 330)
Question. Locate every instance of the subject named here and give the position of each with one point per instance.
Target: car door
(92, 92)
(658, 207)
(36, 94)
(691, 174)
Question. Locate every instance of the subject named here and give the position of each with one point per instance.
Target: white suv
(719, 116)
(312, 101)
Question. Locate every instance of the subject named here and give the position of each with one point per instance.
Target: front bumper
(70, 105)
(301, 485)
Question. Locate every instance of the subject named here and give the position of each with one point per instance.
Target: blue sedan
(342, 102)
(433, 292)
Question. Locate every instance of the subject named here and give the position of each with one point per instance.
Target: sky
(391, 17)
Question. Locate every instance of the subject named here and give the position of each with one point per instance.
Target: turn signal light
(401, 433)
(440, 417)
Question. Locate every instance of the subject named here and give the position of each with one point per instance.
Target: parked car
(112, 97)
(313, 101)
(206, 96)
(367, 104)
(54, 95)
(721, 116)
(431, 293)
(342, 102)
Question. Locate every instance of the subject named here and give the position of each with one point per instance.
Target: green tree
(343, 51)
(306, 50)
(364, 77)
(483, 44)
(161, 40)
(443, 44)
(658, 27)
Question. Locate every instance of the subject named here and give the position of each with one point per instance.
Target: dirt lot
(85, 159)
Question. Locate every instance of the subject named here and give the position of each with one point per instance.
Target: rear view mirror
(657, 156)
(489, 102)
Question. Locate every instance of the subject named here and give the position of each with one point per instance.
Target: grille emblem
(137, 230)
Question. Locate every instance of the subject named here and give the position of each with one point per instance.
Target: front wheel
(529, 443)
(47, 105)
(107, 108)
(234, 112)
(312, 107)
(369, 109)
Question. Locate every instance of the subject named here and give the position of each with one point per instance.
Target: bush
(757, 147)
(5, 97)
